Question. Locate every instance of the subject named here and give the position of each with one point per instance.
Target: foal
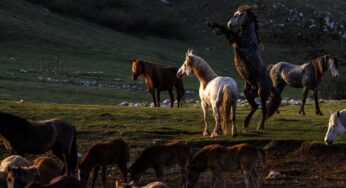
(48, 167)
(159, 79)
(220, 158)
(115, 151)
(160, 156)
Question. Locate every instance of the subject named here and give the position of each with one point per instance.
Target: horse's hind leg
(171, 96)
(305, 94)
(104, 171)
(248, 92)
(123, 169)
(263, 93)
(254, 178)
(317, 107)
(96, 172)
(217, 129)
(158, 97)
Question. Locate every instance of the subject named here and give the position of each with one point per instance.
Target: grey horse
(306, 76)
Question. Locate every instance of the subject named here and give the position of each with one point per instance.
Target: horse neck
(319, 69)
(248, 38)
(204, 73)
(148, 69)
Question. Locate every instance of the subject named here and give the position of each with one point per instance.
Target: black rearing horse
(241, 32)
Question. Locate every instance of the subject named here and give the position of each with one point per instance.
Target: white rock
(124, 103)
(275, 175)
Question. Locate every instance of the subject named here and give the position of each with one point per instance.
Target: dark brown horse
(25, 137)
(115, 151)
(241, 31)
(307, 76)
(159, 79)
(160, 156)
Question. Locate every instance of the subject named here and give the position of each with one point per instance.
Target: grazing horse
(241, 32)
(159, 79)
(160, 156)
(219, 158)
(336, 126)
(22, 136)
(115, 151)
(18, 177)
(18, 181)
(48, 167)
(307, 76)
(214, 91)
(8, 162)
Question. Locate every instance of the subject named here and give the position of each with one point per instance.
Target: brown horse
(160, 156)
(115, 151)
(22, 136)
(48, 167)
(219, 158)
(159, 79)
(27, 178)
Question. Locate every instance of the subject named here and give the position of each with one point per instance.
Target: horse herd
(220, 93)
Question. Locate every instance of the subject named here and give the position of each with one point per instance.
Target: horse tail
(226, 106)
(274, 102)
(270, 66)
(179, 85)
(262, 156)
(74, 154)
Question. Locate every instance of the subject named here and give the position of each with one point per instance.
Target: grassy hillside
(48, 57)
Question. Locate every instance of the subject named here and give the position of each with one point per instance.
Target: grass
(144, 126)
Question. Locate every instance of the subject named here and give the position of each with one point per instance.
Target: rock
(164, 1)
(124, 103)
(274, 175)
(20, 101)
(23, 71)
(166, 102)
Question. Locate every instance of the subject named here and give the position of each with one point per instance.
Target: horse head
(333, 66)
(18, 177)
(137, 68)
(242, 18)
(335, 128)
(186, 69)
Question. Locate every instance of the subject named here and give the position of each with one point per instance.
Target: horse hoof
(319, 113)
(302, 113)
(260, 128)
(214, 134)
(234, 135)
(205, 133)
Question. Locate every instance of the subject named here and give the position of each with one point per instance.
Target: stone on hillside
(124, 103)
(167, 101)
(274, 175)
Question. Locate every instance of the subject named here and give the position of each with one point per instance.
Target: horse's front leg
(305, 94)
(152, 92)
(158, 97)
(205, 117)
(233, 111)
(248, 92)
(317, 107)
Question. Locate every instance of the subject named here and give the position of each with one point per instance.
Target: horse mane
(147, 67)
(201, 68)
(320, 63)
(14, 120)
(248, 9)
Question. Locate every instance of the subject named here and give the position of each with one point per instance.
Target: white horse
(214, 91)
(336, 126)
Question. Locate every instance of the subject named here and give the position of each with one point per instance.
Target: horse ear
(330, 112)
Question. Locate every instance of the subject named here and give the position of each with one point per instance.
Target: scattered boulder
(124, 103)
